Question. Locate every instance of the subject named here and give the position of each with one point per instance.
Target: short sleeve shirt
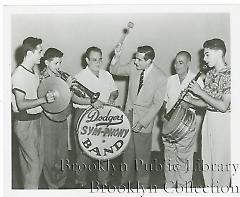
(217, 84)
(46, 73)
(103, 84)
(174, 88)
(27, 82)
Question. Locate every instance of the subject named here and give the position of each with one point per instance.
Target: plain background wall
(166, 33)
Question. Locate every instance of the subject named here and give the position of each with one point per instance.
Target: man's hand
(111, 101)
(117, 53)
(195, 88)
(137, 127)
(50, 97)
(118, 50)
(163, 118)
(98, 104)
(113, 96)
(188, 98)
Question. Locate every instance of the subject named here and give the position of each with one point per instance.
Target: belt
(23, 116)
(214, 110)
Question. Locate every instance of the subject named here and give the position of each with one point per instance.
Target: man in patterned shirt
(216, 97)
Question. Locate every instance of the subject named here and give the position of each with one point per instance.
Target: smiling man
(99, 80)
(146, 90)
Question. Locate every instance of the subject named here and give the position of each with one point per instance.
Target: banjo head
(179, 125)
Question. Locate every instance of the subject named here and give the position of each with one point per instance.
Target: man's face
(54, 64)
(181, 64)
(94, 61)
(140, 62)
(211, 56)
(37, 54)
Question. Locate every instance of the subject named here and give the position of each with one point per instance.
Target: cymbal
(61, 92)
(61, 116)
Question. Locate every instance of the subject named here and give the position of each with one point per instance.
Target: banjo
(181, 117)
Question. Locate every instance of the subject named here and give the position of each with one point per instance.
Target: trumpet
(79, 89)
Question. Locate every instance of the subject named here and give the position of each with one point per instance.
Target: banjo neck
(204, 70)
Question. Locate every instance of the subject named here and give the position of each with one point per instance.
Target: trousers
(31, 151)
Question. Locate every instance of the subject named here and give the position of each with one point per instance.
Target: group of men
(42, 146)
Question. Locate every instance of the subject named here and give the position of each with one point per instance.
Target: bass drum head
(103, 134)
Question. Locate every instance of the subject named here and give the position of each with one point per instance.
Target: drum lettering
(115, 132)
(87, 143)
(97, 131)
(92, 116)
(90, 130)
(120, 133)
(108, 150)
(104, 120)
(116, 145)
(108, 132)
(96, 150)
(84, 130)
(109, 123)
(126, 132)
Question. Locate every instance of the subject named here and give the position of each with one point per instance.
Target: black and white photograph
(135, 100)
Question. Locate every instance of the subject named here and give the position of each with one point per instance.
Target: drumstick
(118, 48)
(130, 25)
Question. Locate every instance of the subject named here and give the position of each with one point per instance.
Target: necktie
(140, 81)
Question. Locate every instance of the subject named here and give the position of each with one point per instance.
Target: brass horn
(79, 89)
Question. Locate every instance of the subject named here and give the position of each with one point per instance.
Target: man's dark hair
(186, 54)
(215, 44)
(148, 52)
(51, 53)
(90, 49)
(30, 44)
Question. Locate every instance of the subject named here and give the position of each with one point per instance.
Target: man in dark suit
(146, 90)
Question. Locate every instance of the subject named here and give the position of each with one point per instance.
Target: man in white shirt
(27, 113)
(179, 154)
(97, 80)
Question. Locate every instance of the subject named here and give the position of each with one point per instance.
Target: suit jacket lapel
(147, 83)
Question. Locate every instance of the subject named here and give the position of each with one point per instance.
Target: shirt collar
(185, 80)
(147, 70)
(31, 71)
(89, 71)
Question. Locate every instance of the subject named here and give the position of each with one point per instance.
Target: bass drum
(103, 134)
(179, 125)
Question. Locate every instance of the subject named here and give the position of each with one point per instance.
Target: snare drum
(103, 133)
